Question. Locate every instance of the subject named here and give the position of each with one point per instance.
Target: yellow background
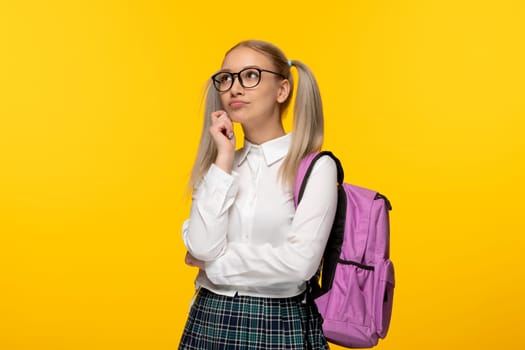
(100, 115)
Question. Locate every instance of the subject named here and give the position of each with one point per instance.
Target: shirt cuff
(217, 272)
(221, 189)
(220, 181)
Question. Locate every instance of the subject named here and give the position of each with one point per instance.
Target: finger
(188, 259)
(221, 128)
(218, 115)
(227, 130)
(223, 125)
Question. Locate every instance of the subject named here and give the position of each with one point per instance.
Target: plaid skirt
(218, 322)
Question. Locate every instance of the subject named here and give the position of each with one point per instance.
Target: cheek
(224, 101)
(266, 92)
(269, 97)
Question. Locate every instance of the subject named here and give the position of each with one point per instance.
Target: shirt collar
(272, 150)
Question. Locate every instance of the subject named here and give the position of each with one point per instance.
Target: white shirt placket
(254, 159)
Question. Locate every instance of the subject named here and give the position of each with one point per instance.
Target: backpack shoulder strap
(305, 169)
(333, 248)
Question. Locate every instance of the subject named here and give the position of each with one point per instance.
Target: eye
(250, 74)
(223, 78)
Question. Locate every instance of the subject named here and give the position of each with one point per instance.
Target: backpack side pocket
(384, 298)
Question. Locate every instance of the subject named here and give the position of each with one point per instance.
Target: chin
(237, 116)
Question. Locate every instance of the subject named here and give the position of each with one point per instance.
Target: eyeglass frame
(260, 70)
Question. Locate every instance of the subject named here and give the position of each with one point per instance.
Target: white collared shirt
(245, 227)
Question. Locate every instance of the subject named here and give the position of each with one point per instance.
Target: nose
(237, 87)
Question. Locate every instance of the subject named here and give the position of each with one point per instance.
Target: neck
(258, 136)
(260, 132)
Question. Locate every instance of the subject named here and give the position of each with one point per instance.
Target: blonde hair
(308, 123)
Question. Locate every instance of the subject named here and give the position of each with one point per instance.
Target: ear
(284, 90)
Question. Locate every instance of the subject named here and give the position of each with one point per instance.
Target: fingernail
(230, 135)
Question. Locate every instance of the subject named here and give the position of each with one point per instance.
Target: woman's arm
(298, 258)
(204, 233)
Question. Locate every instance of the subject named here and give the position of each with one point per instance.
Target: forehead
(242, 57)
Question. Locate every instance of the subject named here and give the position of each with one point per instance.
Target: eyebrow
(230, 71)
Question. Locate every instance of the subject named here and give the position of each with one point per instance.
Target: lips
(237, 104)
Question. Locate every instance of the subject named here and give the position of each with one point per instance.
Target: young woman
(254, 249)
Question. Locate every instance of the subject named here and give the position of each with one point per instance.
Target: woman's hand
(191, 261)
(221, 131)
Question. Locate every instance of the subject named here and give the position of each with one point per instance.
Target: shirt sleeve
(298, 258)
(204, 233)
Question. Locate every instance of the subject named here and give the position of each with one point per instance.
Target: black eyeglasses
(248, 78)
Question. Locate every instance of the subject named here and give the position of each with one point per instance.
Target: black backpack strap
(340, 171)
(335, 240)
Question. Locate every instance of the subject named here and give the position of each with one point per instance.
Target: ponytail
(207, 151)
(308, 124)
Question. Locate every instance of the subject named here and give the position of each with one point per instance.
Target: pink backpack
(357, 277)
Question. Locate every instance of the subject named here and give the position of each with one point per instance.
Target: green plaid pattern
(218, 322)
